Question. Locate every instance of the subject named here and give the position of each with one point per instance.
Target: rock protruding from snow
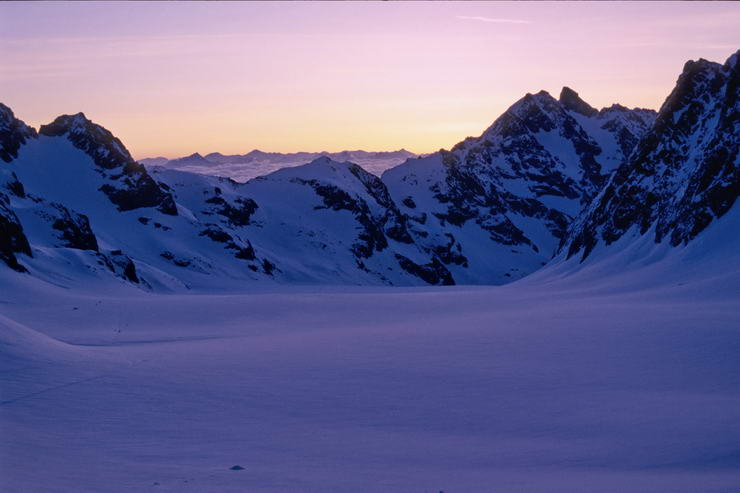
(13, 134)
(572, 102)
(97, 142)
(130, 185)
(489, 211)
(325, 221)
(12, 238)
(683, 175)
(494, 208)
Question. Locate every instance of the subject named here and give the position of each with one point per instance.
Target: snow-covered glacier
(551, 306)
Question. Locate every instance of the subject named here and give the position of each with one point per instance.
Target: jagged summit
(496, 206)
(731, 62)
(547, 173)
(106, 149)
(571, 101)
(13, 134)
(683, 175)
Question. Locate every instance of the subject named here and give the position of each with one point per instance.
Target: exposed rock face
(494, 208)
(13, 134)
(237, 212)
(571, 101)
(134, 189)
(378, 241)
(243, 249)
(12, 238)
(684, 173)
(376, 229)
(434, 272)
(491, 210)
(627, 125)
(130, 186)
(74, 229)
(121, 265)
(325, 220)
(97, 142)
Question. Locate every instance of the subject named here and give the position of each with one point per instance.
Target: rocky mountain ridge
(683, 175)
(549, 175)
(243, 167)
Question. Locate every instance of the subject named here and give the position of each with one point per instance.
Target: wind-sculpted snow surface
(683, 175)
(554, 385)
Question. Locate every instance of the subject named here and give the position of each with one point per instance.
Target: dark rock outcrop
(130, 186)
(12, 238)
(683, 174)
(518, 185)
(74, 229)
(13, 134)
(571, 101)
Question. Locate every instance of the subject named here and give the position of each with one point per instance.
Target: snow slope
(325, 222)
(137, 353)
(169, 230)
(549, 386)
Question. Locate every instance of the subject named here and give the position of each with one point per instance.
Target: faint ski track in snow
(50, 389)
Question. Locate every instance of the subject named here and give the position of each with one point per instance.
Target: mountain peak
(731, 62)
(13, 134)
(695, 66)
(6, 115)
(540, 96)
(530, 102)
(106, 149)
(682, 175)
(322, 160)
(571, 101)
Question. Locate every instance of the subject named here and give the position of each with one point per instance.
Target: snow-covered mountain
(243, 167)
(324, 221)
(74, 204)
(683, 176)
(549, 175)
(495, 207)
(81, 208)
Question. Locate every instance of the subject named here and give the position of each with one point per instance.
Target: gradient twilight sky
(173, 78)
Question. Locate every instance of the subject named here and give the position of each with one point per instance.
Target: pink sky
(174, 78)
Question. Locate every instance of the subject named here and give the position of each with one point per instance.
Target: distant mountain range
(243, 167)
(551, 182)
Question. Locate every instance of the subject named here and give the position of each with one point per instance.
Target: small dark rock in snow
(236, 468)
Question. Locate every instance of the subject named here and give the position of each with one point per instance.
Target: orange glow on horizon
(174, 78)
